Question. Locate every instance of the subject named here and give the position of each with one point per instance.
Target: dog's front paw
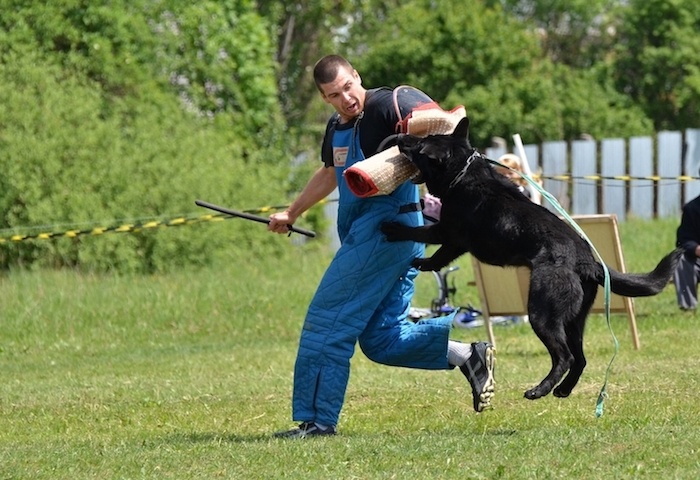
(394, 231)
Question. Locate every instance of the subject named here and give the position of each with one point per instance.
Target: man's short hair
(326, 69)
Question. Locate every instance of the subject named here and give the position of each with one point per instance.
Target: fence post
(584, 161)
(613, 164)
(554, 161)
(641, 164)
(668, 164)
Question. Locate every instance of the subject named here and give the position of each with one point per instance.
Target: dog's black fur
(485, 214)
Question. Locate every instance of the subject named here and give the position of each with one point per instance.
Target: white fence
(645, 177)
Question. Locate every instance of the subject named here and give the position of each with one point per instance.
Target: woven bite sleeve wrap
(383, 172)
(434, 121)
(380, 174)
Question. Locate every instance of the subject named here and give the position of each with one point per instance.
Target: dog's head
(435, 155)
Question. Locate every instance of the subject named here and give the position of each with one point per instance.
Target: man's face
(345, 93)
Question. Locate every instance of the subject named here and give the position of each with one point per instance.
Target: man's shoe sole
(482, 399)
(487, 392)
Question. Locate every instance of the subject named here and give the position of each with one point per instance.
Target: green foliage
(219, 57)
(576, 104)
(572, 32)
(110, 44)
(130, 110)
(303, 33)
(441, 51)
(657, 63)
(492, 64)
(93, 128)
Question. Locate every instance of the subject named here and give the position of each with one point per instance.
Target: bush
(126, 115)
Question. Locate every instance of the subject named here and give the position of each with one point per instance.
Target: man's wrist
(291, 215)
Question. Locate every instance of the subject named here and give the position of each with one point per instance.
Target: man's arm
(321, 184)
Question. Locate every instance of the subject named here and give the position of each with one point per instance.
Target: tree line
(126, 110)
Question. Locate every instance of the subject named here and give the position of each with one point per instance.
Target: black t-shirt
(688, 233)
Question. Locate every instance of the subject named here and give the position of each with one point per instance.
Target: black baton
(252, 217)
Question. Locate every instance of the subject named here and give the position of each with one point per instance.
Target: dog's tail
(644, 284)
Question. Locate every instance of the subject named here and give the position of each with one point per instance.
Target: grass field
(186, 376)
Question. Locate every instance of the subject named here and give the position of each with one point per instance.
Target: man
(687, 274)
(366, 291)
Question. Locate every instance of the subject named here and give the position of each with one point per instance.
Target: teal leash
(606, 287)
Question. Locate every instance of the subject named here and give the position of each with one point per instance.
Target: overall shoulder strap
(327, 147)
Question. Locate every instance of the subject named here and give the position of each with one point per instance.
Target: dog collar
(463, 172)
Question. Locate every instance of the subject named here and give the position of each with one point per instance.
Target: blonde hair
(513, 161)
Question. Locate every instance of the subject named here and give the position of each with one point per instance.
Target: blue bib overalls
(364, 296)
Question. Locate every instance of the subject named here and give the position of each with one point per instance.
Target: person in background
(513, 161)
(687, 274)
(431, 208)
(366, 291)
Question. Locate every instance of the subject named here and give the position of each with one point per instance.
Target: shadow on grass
(218, 438)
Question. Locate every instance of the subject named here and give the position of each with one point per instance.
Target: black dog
(484, 213)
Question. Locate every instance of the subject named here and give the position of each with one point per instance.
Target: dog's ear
(462, 129)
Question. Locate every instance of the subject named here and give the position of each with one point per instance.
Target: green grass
(187, 375)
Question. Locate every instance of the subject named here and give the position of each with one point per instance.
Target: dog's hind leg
(553, 339)
(574, 338)
(553, 301)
